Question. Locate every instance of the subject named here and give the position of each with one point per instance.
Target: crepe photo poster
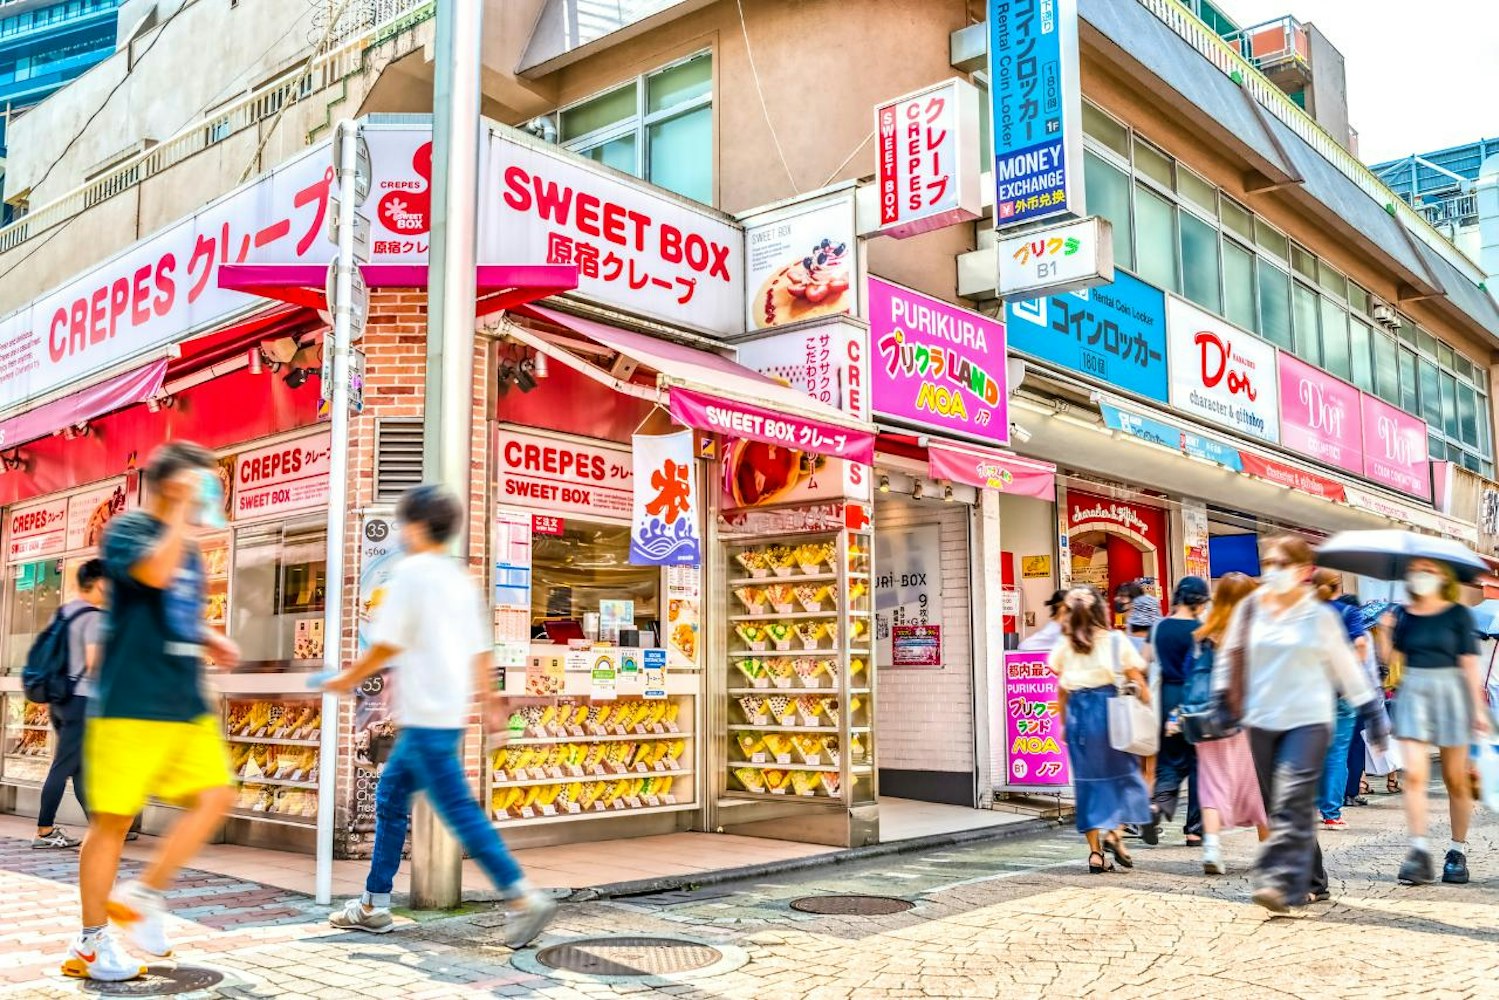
(664, 528)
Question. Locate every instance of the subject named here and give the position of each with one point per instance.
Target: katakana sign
(1036, 108)
(928, 159)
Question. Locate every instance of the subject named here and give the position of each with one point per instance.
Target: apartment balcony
(1280, 49)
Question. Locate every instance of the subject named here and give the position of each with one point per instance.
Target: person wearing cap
(1044, 638)
(1170, 650)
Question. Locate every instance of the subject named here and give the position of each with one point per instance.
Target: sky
(1412, 88)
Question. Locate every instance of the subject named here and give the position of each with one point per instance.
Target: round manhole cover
(159, 981)
(852, 906)
(629, 956)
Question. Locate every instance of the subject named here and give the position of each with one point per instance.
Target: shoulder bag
(1203, 717)
(1133, 727)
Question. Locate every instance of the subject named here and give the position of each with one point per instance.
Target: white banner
(908, 585)
(665, 529)
(39, 529)
(564, 477)
(927, 160)
(1221, 373)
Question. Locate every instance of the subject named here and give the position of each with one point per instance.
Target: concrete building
(1444, 186)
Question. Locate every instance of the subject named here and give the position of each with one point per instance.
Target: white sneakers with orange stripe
(97, 956)
(141, 914)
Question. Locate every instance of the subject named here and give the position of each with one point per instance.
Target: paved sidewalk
(1019, 919)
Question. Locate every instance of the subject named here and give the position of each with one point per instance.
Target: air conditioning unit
(1385, 316)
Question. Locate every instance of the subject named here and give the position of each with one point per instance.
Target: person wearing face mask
(1285, 659)
(1440, 703)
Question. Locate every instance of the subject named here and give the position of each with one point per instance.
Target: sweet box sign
(1221, 373)
(39, 529)
(937, 366)
(928, 159)
(801, 260)
(281, 478)
(564, 477)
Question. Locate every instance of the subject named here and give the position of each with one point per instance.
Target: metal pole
(436, 860)
(338, 484)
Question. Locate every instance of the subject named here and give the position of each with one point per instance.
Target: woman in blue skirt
(1109, 789)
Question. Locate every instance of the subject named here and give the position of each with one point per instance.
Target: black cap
(1057, 598)
(1191, 590)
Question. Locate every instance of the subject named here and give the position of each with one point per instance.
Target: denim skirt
(1107, 784)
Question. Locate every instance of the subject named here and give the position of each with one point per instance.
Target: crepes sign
(281, 478)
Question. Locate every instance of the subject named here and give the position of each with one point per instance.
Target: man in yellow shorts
(150, 731)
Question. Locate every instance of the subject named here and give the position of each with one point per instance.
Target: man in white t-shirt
(431, 630)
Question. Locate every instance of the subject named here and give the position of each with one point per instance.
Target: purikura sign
(564, 477)
(937, 366)
(992, 471)
(1220, 373)
(1320, 416)
(282, 478)
(1395, 449)
(1036, 752)
(634, 248)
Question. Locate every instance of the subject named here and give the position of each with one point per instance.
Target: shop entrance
(1113, 542)
(923, 642)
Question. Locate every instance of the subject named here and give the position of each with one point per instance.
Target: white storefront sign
(281, 478)
(91, 510)
(38, 529)
(801, 261)
(564, 476)
(908, 584)
(928, 159)
(1057, 259)
(1220, 373)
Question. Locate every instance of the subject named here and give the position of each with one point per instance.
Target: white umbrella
(1385, 554)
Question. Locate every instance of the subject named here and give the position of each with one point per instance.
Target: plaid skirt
(1434, 706)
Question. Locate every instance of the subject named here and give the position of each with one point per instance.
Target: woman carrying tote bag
(1089, 662)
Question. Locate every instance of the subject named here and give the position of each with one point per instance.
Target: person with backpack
(1169, 649)
(58, 669)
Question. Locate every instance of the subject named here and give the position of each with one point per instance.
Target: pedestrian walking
(1334, 787)
(1090, 662)
(150, 730)
(1048, 635)
(1229, 790)
(81, 618)
(1169, 652)
(431, 629)
(1439, 703)
(1285, 659)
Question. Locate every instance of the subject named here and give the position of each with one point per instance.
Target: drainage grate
(159, 981)
(852, 906)
(629, 956)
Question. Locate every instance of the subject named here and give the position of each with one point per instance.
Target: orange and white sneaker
(97, 956)
(141, 914)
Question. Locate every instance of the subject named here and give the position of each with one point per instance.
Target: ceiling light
(539, 366)
(297, 377)
(254, 360)
(947, 493)
(884, 484)
(916, 490)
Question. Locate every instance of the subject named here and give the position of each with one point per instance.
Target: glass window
(1425, 343)
(1335, 339)
(1271, 240)
(617, 153)
(1360, 354)
(1304, 313)
(1331, 280)
(1151, 162)
(1431, 393)
(1437, 447)
(280, 575)
(1409, 400)
(1103, 128)
(1358, 298)
(1467, 415)
(1302, 261)
(1196, 190)
(674, 149)
(1463, 366)
(1236, 218)
(1449, 406)
(1275, 303)
(1199, 253)
(1444, 355)
(1470, 461)
(679, 84)
(588, 563)
(610, 109)
(1238, 285)
(1155, 239)
(35, 596)
(1107, 191)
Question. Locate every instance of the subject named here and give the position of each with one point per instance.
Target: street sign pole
(436, 860)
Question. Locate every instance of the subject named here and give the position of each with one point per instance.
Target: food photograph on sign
(802, 263)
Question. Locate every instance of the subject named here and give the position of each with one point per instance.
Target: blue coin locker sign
(1036, 107)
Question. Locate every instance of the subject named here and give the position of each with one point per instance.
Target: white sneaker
(98, 957)
(1212, 863)
(354, 917)
(142, 915)
(529, 918)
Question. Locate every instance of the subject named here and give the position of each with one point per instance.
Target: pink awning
(988, 469)
(104, 397)
(712, 393)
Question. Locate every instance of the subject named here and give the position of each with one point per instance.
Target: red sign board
(546, 524)
(1290, 475)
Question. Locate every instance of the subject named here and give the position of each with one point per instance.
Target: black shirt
(1173, 648)
(1435, 641)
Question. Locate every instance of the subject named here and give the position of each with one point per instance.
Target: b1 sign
(1057, 259)
(1036, 108)
(928, 159)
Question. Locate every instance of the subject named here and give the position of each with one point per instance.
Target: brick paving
(1017, 919)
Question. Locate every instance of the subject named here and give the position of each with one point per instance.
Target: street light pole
(436, 860)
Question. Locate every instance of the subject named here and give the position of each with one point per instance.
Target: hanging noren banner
(664, 527)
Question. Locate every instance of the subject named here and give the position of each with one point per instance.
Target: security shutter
(398, 457)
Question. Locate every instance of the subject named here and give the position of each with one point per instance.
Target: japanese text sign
(91, 510)
(665, 527)
(38, 530)
(936, 365)
(1060, 258)
(826, 360)
(634, 246)
(733, 418)
(1137, 425)
(281, 478)
(908, 585)
(1035, 748)
(928, 159)
(1115, 334)
(801, 261)
(1036, 110)
(1222, 374)
(992, 471)
(564, 477)
(916, 646)
(1395, 452)
(1320, 416)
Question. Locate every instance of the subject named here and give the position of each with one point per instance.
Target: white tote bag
(1133, 727)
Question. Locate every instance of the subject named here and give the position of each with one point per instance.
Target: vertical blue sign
(1036, 109)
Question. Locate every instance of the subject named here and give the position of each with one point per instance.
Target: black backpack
(48, 677)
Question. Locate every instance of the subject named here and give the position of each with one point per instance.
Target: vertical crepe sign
(664, 527)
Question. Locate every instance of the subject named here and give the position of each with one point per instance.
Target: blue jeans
(1335, 767)
(427, 760)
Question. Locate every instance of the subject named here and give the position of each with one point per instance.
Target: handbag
(1204, 718)
(1395, 669)
(1133, 727)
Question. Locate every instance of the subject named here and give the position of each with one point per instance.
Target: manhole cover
(159, 981)
(852, 906)
(629, 956)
